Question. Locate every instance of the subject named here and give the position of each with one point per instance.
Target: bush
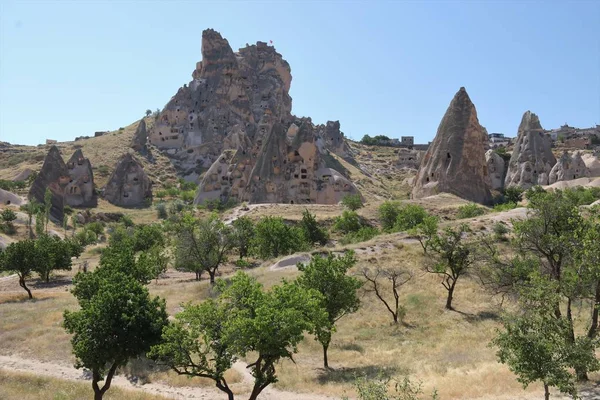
(243, 264)
(582, 196)
(362, 235)
(8, 216)
(176, 207)
(127, 221)
(173, 191)
(388, 213)
(409, 216)
(469, 211)
(274, 238)
(96, 227)
(161, 211)
(311, 231)
(504, 207)
(348, 222)
(500, 231)
(188, 196)
(513, 194)
(86, 237)
(161, 194)
(218, 205)
(103, 170)
(185, 186)
(352, 202)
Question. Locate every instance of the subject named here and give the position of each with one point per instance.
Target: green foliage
(39, 222)
(20, 258)
(148, 112)
(176, 207)
(188, 195)
(242, 235)
(187, 186)
(117, 321)
(8, 216)
(362, 235)
(274, 238)
(500, 230)
(595, 140)
(68, 210)
(504, 207)
(86, 237)
(380, 140)
(501, 151)
(218, 205)
(352, 202)
(103, 170)
(97, 227)
(312, 233)
(201, 245)
(161, 211)
(328, 276)
(12, 185)
(127, 221)
(160, 194)
(513, 194)
(32, 208)
(425, 231)
(146, 237)
(409, 216)
(206, 339)
(388, 213)
(53, 254)
(581, 196)
(470, 210)
(47, 207)
(348, 222)
(379, 389)
(121, 256)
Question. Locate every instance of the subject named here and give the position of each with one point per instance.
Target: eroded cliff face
(128, 185)
(568, 167)
(54, 176)
(496, 169)
(532, 158)
(455, 161)
(234, 118)
(80, 191)
(332, 138)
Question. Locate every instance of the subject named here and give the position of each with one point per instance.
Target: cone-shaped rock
(140, 138)
(80, 191)
(128, 186)
(54, 176)
(532, 158)
(496, 169)
(568, 167)
(455, 161)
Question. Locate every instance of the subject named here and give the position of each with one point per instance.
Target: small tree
(470, 210)
(453, 256)
(8, 216)
(311, 231)
(31, 209)
(47, 207)
(395, 278)
(352, 202)
(328, 276)
(53, 254)
(388, 213)
(513, 194)
(20, 258)
(243, 234)
(274, 238)
(202, 245)
(348, 222)
(148, 112)
(425, 231)
(409, 216)
(117, 322)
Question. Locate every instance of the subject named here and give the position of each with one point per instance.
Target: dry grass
(21, 386)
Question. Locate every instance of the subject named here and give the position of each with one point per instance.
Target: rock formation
(7, 198)
(333, 139)
(54, 176)
(568, 167)
(234, 118)
(138, 143)
(80, 191)
(128, 185)
(496, 168)
(408, 158)
(455, 160)
(532, 158)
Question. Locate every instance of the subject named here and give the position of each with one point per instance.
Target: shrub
(513, 194)
(96, 227)
(362, 235)
(274, 238)
(188, 196)
(469, 211)
(161, 194)
(103, 170)
(243, 264)
(409, 216)
(504, 207)
(173, 191)
(311, 231)
(127, 221)
(161, 211)
(388, 213)
(352, 202)
(582, 196)
(348, 222)
(176, 207)
(185, 186)
(8, 216)
(500, 231)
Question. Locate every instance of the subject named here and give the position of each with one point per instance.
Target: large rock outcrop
(455, 161)
(54, 176)
(496, 168)
(80, 191)
(9, 198)
(128, 186)
(532, 158)
(333, 139)
(568, 167)
(408, 158)
(140, 138)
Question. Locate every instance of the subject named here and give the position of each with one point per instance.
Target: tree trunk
(450, 295)
(198, 275)
(594, 325)
(24, 286)
(325, 361)
(99, 392)
(224, 388)
(212, 273)
(546, 392)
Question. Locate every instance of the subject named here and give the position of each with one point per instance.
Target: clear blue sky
(69, 68)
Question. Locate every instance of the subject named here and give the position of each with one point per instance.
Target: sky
(70, 68)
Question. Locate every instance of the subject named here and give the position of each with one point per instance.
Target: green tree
(47, 207)
(328, 276)
(352, 202)
(119, 321)
(20, 258)
(409, 216)
(243, 234)
(40, 227)
(453, 256)
(425, 231)
(513, 194)
(348, 222)
(388, 214)
(53, 254)
(146, 237)
(311, 231)
(470, 210)
(206, 339)
(31, 209)
(8, 216)
(148, 112)
(201, 245)
(274, 238)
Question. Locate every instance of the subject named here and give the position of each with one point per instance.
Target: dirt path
(60, 371)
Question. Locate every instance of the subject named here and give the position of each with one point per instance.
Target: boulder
(592, 162)
(139, 141)
(54, 176)
(128, 185)
(9, 198)
(80, 191)
(496, 168)
(22, 175)
(455, 161)
(532, 159)
(568, 167)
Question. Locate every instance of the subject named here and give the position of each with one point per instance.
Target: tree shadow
(343, 375)
(353, 347)
(23, 299)
(480, 316)
(53, 284)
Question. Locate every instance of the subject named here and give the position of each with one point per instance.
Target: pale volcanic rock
(140, 138)
(128, 185)
(568, 167)
(496, 169)
(9, 198)
(333, 139)
(455, 161)
(532, 158)
(409, 158)
(592, 162)
(80, 191)
(54, 176)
